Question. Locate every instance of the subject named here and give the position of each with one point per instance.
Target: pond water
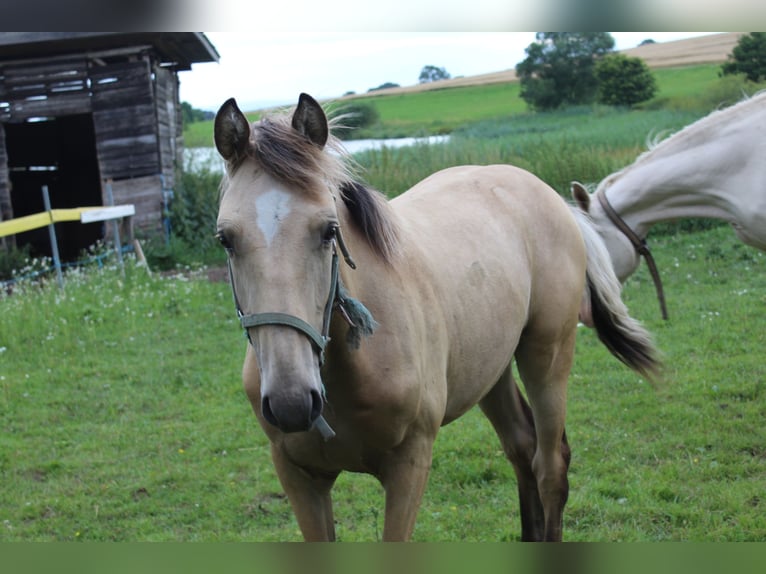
(199, 158)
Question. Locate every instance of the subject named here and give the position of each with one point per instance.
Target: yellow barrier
(29, 222)
(82, 214)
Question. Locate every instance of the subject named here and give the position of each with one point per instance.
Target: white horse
(714, 168)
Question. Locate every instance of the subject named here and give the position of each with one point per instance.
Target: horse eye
(330, 232)
(224, 241)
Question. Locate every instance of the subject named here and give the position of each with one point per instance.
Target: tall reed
(583, 144)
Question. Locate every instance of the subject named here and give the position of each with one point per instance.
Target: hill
(710, 49)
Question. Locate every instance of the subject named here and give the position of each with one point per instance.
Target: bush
(432, 74)
(194, 209)
(193, 215)
(353, 116)
(384, 86)
(624, 81)
(12, 259)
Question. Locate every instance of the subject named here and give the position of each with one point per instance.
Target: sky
(265, 69)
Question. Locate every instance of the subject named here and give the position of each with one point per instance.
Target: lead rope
(639, 245)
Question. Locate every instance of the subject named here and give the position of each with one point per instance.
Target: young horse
(472, 267)
(715, 167)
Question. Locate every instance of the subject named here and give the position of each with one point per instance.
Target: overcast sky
(272, 68)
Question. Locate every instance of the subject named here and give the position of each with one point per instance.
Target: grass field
(123, 419)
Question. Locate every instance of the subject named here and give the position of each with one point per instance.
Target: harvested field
(710, 49)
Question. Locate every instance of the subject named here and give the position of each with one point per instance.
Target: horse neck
(693, 176)
(358, 249)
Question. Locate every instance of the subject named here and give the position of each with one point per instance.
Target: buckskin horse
(356, 365)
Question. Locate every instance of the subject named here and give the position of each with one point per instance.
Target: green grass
(123, 419)
(200, 134)
(684, 81)
(441, 111)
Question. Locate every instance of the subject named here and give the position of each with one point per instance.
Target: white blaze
(272, 208)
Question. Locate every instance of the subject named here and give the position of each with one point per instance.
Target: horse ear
(310, 120)
(581, 196)
(231, 131)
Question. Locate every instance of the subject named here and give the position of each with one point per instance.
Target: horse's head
(625, 258)
(278, 222)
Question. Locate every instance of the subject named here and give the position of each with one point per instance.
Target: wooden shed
(80, 109)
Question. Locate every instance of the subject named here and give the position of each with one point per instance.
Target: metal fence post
(52, 233)
(115, 224)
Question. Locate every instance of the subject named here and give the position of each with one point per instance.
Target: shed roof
(176, 49)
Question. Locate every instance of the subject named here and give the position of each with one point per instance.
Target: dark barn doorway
(59, 152)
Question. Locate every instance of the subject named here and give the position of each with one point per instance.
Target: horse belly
(484, 335)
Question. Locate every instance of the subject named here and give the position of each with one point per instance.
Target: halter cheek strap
(639, 245)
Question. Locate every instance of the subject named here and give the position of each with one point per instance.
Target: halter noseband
(319, 339)
(639, 245)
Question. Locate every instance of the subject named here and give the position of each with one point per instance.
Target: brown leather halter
(640, 246)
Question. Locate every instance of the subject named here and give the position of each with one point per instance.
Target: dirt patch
(218, 275)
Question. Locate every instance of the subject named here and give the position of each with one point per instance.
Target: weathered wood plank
(123, 84)
(13, 78)
(111, 127)
(60, 105)
(130, 166)
(145, 193)
(6, 207)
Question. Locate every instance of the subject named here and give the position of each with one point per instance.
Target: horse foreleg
(404, 475)
(309, 496)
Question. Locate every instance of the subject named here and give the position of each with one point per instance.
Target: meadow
(123, 416)
(124, 419)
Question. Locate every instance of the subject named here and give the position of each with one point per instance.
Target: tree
(558, 69)
(432, 74)
(748, 57)
(190, 115)
(624, 81)
(384, 86)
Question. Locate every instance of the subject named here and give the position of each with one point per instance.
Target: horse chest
(344, 452)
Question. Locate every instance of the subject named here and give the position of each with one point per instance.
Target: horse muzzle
(292, 413)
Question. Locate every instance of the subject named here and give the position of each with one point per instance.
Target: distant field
(442, 111)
